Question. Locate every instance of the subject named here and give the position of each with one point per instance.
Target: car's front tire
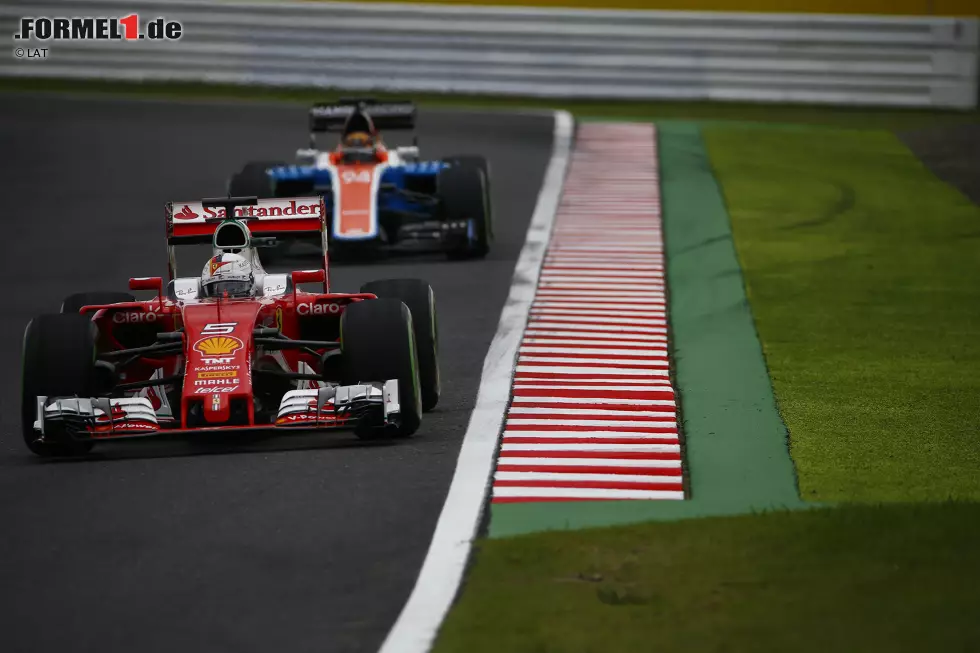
(464, 190)
(378, 344)
(58, 361)
(418, 296)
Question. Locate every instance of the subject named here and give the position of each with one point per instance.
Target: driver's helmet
(358, 140)
(359, 131)
(227, 273)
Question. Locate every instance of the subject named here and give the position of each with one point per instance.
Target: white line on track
(599, 318)
(552, 325)
(638, 296)
(654, 447)
(582, 311)
(544, 461)
(597, 424)
(550, 338)
(584, 493)
(594, 371)
(639, 352)
(562, 413)
(562, 476)
(593, 435)
(438, 581)
(615, 388)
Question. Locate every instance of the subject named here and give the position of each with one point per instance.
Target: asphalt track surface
(308, 544)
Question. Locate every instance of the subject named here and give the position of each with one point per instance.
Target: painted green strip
(736, 450)
(737, 446)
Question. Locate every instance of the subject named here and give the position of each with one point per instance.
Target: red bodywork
(212, 367)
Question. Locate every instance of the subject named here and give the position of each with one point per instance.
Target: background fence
(914, 61)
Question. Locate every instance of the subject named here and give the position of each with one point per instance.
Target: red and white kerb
(593, 413)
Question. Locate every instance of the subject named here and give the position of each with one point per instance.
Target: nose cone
(217, 373)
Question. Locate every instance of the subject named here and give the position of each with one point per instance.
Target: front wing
(329, 408)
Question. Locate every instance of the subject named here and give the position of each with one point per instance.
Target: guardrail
(859, 60)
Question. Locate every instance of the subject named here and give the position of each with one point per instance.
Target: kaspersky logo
(186, 214)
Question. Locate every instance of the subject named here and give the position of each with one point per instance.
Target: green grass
(863, 274)
(763, 114)
(863, 578)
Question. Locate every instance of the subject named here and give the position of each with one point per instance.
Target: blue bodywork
(406, 191)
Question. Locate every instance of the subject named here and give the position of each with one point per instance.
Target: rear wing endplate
(326, 117)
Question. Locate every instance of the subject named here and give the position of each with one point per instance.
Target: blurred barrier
(834, 59)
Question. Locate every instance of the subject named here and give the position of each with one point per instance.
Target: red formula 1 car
(236, 348)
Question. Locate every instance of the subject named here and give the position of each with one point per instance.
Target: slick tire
(378, 343)
(484, 165)
(253, 180)
(74, 303)
(465, 191)
(58, 360)
(421, 302)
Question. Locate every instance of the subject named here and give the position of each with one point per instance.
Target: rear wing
(289, 217)
(196, 221)
(326, 117)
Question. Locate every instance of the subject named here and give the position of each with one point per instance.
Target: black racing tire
(464, 191)
(421, 301)
(378, 343)
(484, 165)
(253, 180)
(58, 360)
(74, 303)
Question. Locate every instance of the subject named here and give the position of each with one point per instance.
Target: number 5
(219, 329)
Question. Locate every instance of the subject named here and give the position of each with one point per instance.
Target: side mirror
(307, 156)
(408, 153)
(308, 276)
(147, 283)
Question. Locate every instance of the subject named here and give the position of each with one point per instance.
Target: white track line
(630, 463)
(585, 493)
(438, 581)
(564, 476)
(593, 435)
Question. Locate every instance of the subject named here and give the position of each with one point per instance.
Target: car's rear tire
(464, 190)
(253, 180)
(58, 360)
(418, 296)
(74, 303)
(378, 343)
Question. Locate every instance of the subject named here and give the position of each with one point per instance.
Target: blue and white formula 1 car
(384, 199)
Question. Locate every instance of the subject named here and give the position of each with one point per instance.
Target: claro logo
(134, 317)
(307, 308)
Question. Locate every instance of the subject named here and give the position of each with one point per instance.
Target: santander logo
(274, 209)
(185, 213)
